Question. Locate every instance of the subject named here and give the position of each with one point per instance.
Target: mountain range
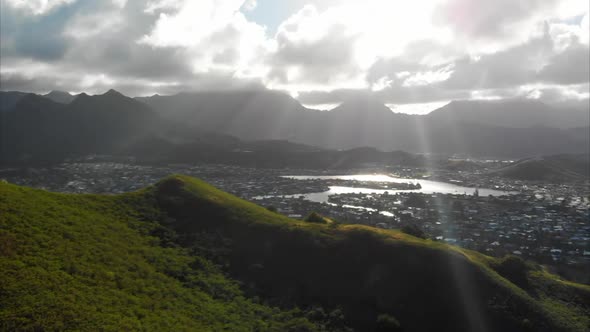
(484, 128)
(197, 126)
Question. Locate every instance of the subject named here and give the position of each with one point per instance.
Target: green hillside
(557, 168)
(182, 255)
(92, 263)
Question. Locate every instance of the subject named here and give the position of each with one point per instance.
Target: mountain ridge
(557, 168)
(276, 259)
(274, 116)
(354, 124)
(515, 113)
(60, 96)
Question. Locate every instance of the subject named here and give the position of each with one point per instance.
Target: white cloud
(321, 107)
(36, 7)
(382, 83)
(249, 5)
(192, 21)
(429, 77)
(215, 34)
(91, 80)
(417, 108)
(554, 93)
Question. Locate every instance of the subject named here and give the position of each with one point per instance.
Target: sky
(412, 55)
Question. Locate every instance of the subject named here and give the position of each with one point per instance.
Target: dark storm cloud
(16, 82)
(536, 61)
(514, 66)
(572, 66)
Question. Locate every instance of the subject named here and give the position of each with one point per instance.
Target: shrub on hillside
(316, 218)
(387, 323)
(414, 231)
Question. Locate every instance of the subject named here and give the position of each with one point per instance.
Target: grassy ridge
(150, 260)
(309, 263)
(85, 262)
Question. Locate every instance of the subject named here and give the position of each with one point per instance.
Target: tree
(414, 231)
(315, 218)
(514, 269)
(415, 200)
(387, 323)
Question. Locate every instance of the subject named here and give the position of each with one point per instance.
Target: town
(545, 223)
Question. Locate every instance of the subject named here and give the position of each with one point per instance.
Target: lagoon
(427, 186)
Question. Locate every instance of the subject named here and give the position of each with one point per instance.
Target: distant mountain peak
(114, 96)
(60, 96)
(81, 96)
(112, 92)
(58, 92)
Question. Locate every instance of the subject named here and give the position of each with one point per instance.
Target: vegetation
(182, 255)
(414, 231)
(89, 263)
(556, 168)
(317, 218)
(387, 323)
(415, 200)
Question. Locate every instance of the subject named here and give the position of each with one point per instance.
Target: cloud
(568, 67)
(191, 22)
(400, 52)
(36, 7)
(249, 5)
(87, 45)
(537, 61)
(311, 51)
(548, 59)
(27, 34)
(214, 35)
(488, 20)
(511, 67)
